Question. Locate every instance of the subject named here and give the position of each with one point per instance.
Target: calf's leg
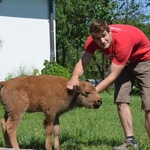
(48, 125)
(11, 129)
(4, 131)
(10, 123)
(56, 133)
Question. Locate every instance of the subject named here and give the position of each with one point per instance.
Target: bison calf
(44, 93)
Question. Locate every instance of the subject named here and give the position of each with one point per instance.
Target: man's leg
(125, 118)
(123, 87)
(147, 122)
(127, 124)
(142, 71)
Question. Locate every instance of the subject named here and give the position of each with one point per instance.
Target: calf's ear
(76, 88)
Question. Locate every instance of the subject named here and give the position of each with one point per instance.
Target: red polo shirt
(129, 44)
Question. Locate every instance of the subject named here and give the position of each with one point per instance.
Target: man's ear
(77, 88)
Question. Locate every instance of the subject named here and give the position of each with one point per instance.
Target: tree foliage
(53, 68)
(72, 28)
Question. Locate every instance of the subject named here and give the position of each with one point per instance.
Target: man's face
(103, 39)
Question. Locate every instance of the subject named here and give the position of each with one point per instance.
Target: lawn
(83, 129)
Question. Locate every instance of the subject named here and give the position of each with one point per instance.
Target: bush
(22, 71)
(53, 68)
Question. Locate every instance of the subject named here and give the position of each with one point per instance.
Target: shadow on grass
(71, 143)
(33, 144)
(67, 143)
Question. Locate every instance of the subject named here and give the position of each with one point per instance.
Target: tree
(73, 19)
(72, 25)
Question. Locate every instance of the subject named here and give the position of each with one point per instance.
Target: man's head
(101, 34)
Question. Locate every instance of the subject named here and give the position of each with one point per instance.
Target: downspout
(52, 30)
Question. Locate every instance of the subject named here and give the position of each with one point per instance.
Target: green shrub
(53, 68)
(22, 71)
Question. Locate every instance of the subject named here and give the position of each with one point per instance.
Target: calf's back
(35, 93)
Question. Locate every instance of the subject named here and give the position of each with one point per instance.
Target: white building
(27, 30)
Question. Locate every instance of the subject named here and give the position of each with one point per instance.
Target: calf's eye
(87, 92)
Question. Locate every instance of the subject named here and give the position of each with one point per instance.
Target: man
(129, 50)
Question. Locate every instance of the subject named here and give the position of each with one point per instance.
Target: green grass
(84, 129)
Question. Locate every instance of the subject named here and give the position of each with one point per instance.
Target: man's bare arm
(115, 70)
(79, 69)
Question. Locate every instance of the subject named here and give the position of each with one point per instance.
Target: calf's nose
(98, 104)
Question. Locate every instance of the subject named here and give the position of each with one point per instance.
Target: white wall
(24, 31)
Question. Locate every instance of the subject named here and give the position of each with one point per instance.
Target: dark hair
(98, 26)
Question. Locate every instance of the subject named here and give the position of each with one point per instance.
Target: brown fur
(44, 93)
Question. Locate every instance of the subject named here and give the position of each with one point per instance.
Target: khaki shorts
(125, 81)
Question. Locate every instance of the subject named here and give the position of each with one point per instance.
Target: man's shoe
(126, 146)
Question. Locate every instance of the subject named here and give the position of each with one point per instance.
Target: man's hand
(72, 83)
(115, 71)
